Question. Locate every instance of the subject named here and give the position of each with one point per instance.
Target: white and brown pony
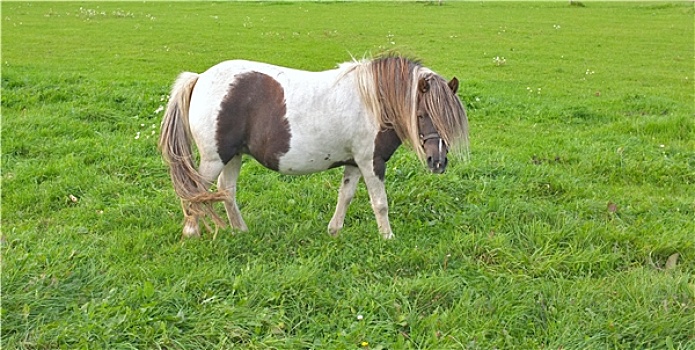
(298, 122)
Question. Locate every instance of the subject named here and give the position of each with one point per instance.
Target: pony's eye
(420, 116)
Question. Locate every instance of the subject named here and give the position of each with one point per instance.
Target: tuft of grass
(570, 227)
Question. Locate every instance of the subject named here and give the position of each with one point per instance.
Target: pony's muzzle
(436, 151)
(437, 166)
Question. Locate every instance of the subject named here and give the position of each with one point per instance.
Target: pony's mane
(389, 89)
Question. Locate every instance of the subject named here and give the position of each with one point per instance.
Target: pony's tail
(176, 148)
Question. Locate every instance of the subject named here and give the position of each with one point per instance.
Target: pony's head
(419, 105)
(432, 111)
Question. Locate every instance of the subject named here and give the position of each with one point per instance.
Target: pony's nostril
(429, 160)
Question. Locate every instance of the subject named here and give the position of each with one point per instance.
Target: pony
(300, 122)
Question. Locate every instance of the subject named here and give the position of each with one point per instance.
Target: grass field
(571, 227)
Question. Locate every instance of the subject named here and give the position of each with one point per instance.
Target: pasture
(572, 226)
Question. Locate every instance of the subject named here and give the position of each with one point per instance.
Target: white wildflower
(499, 61)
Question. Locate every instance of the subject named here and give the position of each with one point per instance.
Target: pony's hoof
(190, 235)
(333, 231)
(238, 225)
(239, 229)
(388, 235)
(190, 231)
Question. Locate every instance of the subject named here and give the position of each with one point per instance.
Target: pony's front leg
(377, 196)
(351, 176)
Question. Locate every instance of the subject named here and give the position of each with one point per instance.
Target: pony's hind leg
(209, 170)
(351, 176)
(227, 182)
(190, 221)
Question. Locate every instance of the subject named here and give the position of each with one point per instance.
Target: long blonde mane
(389, 89)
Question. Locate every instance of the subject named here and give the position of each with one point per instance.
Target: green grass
(560, 232)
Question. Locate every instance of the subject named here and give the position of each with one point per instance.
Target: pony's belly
(300, 163)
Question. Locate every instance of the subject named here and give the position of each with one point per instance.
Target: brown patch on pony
(252, 120)
(385, 145)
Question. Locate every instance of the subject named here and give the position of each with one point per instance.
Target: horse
(299, 122)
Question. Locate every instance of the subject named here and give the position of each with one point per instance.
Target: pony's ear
(423, 86)
(454, 84)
